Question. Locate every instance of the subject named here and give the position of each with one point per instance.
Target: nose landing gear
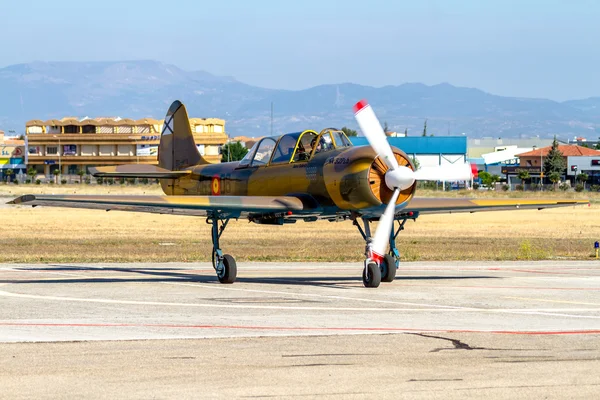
(384, 270)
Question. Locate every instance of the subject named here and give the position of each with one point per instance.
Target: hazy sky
(529, 48)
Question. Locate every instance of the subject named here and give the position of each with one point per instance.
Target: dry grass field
(67, 235)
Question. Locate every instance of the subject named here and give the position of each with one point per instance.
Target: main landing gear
(384, 271)
(224, 264)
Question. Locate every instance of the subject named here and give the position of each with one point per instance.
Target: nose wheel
(387, 267)
(371, 274)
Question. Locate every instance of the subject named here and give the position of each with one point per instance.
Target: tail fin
(177, 149)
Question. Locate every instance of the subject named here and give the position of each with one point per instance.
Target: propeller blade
(448, 173)
(384, 229)
(371, 128)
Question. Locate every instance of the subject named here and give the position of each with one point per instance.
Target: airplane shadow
(171, 275)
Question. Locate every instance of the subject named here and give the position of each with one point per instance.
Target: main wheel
(228, 273)
(371, 275)
(388, 268)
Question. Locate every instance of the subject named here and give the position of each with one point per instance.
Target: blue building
(428, 150)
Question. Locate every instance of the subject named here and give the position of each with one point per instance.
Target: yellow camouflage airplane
(302, 176)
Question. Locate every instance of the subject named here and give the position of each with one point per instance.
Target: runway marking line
(554, 301)
(292, 328)
(551, 311)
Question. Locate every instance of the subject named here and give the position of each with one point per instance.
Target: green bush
(145, 181)
(110, 181)
(475, 185)
(579, 187)
(27, 180)
(63, 181)
(595, 188)
(38, 181)
(564, 186)
(99, 181)
(87, 180)
(534, 186)
(519, 187)
(505, 188)
(16, 182)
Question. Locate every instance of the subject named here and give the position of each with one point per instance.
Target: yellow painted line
(554, 301)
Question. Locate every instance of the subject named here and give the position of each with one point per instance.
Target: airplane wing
(434, 205)
(231, 206)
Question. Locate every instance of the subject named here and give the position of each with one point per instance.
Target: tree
(32, 172)
(233, 152)
(349, 132)
(582, 177)
(415, 162)
(554, 177)
(524, 175)
(81, 173)
(488, 180)
(425, 128)
(554, 161)
(8, 172)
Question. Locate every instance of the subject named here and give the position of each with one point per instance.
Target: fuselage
(350, 178)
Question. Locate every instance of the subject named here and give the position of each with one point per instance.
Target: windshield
(244, 162)
(263, 151)
(341, 140)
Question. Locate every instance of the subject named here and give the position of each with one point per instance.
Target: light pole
(541, 172)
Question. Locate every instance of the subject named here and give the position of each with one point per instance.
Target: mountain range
(137, 89)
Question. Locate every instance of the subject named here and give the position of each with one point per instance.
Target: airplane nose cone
(401, 178)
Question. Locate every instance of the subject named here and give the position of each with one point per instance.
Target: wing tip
(22, 199)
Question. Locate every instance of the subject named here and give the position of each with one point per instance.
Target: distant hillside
(135, 89)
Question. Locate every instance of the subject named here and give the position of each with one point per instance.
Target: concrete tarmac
(441, 330)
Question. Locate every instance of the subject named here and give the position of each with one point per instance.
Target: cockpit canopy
(294, 147)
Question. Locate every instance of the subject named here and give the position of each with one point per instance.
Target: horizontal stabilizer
(136, 171)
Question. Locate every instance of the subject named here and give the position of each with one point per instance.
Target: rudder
(177, 149)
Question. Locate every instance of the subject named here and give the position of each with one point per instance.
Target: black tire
(388, 268)
(229, 271)
(371, 275)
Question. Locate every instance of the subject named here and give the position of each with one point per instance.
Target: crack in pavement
(457, 343)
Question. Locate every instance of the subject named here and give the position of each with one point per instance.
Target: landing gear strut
(224, 264)
(386, 270)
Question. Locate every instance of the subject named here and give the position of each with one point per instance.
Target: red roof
(567, 150)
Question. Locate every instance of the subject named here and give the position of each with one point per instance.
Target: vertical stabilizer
(177, 148)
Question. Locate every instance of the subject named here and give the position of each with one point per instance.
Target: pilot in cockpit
(323, 144)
